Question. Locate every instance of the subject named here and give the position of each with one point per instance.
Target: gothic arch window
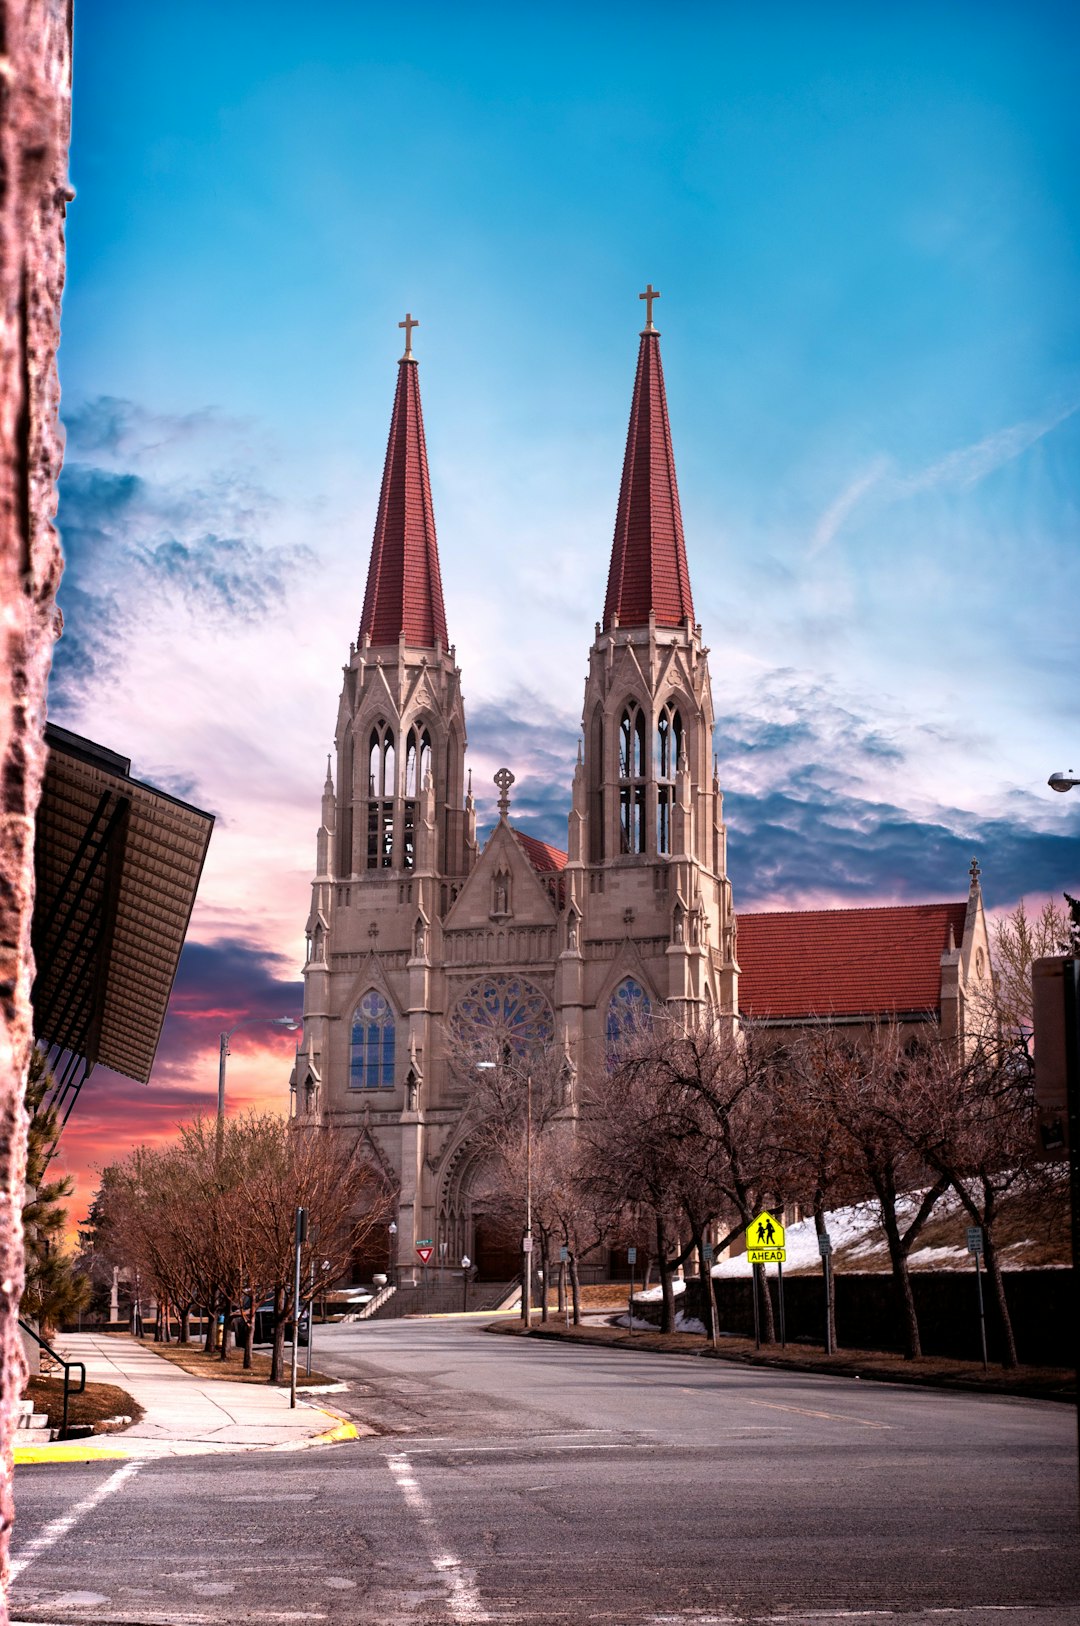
(371, 1056)
(596, 784)
(417, 759)
(669, 745)
(628, 1011)
(417, 768)
(380, 833)
(346, 792)
(633, 777)
(510, 1010)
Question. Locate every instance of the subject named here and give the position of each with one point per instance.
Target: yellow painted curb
(26, 1454)
(343, 1431)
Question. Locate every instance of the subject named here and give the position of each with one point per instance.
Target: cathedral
(415, 930)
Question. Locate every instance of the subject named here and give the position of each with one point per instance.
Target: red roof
(648, 556)
(404, 587)
(845, 962)
(544, 858)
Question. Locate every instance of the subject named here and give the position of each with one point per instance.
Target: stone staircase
(441, 1298)
(34, 1424)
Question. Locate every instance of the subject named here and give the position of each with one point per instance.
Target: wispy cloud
(838, 511)
(958, 470)
(970, 464)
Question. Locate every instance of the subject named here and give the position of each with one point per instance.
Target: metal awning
(117, 867)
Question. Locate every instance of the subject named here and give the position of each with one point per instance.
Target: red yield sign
(424, 1252)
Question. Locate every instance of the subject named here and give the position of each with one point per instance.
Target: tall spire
(404, 587)
(648, 572)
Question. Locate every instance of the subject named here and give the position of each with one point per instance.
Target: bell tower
(396, 839)
(647, 844)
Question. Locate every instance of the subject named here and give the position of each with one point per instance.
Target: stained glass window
(628, 1010)
(510, 1009)
(371, 1063)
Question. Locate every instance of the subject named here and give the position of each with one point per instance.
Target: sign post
(631, 1257)
(765, 1245)
(564, 1260)
(975, 1246)
(301, 1238)
(424, 1250)
(824, 1243)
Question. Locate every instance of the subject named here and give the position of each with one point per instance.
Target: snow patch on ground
(654, 1295)
(847, 1227)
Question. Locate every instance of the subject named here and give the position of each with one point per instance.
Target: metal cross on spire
(504, 779)
(408, 324)
(649, 295)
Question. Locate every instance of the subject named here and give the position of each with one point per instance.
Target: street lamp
(527, 1239)
(392, 1233)
(465, 1263)
(1063, 781)
(290, 1025)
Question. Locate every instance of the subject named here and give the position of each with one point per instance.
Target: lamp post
(289, 1023)
(527, 1239)
(392, 1233)
(465, 1263)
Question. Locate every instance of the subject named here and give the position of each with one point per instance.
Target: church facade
(415, 931)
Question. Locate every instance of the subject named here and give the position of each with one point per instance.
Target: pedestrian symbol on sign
(765, 1241)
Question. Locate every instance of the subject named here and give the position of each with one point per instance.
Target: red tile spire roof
(648, 557)
(404, 587)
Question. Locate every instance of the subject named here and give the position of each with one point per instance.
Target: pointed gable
(648, 573)
(845, 962)
(404, 597)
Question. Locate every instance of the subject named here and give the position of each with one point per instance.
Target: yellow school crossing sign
(765, 1241)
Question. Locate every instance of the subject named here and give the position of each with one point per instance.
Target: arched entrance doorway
(477, 1216)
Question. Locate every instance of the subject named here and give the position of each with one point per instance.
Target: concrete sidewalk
(185, 1415)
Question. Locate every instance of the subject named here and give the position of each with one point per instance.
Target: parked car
(264, 1325)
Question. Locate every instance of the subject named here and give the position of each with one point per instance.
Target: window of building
(628, 1011)
(669, 735)
(381, 787)
(371, 1061)
(417, 768)
(507, 1009)
(633, 775)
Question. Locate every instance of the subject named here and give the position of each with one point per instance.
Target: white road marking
(462, 1598)
(53, 1532)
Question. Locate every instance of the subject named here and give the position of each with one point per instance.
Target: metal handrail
(68, 1366)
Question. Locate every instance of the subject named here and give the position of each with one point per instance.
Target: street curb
(64, 1451)
(898, 1379)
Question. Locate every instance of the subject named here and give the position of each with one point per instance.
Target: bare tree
(199, 1220)
(811, 1145)
(867, 1084)
(1020, 938)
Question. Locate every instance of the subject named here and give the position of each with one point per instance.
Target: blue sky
(864, 226)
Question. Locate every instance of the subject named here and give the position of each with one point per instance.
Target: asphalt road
(522, 1481)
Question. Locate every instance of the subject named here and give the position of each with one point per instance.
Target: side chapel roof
(804, 963)
(404, 597)
(648, 572)
(845, 962)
